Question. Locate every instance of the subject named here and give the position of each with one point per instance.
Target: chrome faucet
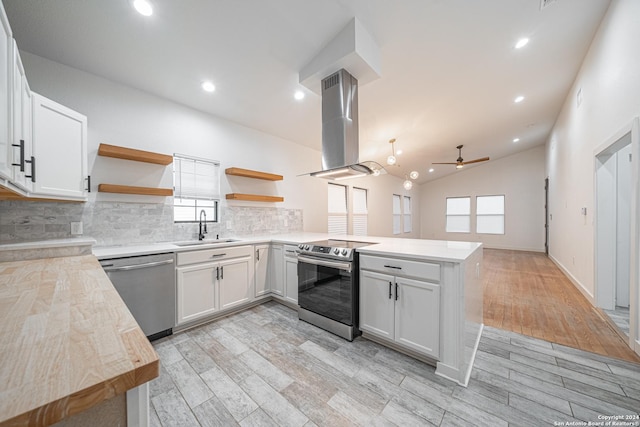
(202, 230)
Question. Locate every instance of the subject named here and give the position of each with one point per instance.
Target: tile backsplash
(115, 223)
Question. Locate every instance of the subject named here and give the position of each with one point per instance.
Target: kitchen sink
(204, 242)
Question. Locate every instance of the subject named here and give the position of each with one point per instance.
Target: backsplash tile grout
(117, 223)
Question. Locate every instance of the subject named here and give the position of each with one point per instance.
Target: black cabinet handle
(33, 169)
(393, 266)
(21, 164)
(217, 273)
(88, 178)
(221, 273)
(396, 292)
(389, 290)
(258, 254)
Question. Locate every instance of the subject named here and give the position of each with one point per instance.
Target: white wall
(610, 84)
(519, 177)
(121, 115)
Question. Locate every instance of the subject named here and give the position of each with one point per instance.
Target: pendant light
(407, 184)
(391, 160)
(414, 175)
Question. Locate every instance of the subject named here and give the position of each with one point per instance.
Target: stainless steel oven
(328, 289)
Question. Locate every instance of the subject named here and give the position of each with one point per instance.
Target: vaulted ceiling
(450, 69)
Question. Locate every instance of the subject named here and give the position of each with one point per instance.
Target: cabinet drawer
(402, 267)
(290, 250)
(215, 254)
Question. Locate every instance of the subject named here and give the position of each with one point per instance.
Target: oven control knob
(336, 251)
(344, 252)
(306, 247)
(300, 246)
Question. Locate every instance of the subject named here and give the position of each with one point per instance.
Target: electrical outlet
(76, 228)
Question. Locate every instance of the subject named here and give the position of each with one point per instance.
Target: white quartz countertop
(439, 250)
(44, 244)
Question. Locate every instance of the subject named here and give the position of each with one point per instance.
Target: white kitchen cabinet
(60, 150)
(236, 282)
(276, 264)
(22, 126)
(396, 308)
(213, 280)
(197, 292)
(262, 258)
(6, 68)
(290, 274)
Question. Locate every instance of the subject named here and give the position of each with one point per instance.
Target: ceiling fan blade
(444, 163)
(484, 159)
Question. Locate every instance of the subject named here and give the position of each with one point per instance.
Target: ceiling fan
(460, 161)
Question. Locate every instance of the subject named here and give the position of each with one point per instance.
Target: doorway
(546, 216)
(616, 241)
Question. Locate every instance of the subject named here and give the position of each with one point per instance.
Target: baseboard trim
(575, 281)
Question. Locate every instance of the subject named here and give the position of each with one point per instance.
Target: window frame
(339, 214)
(215, 197)
(396, 216)
(355, 214)
(405, 214)
(503, 214)
(447, 215)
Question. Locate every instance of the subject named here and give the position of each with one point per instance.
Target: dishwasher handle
(139, 266)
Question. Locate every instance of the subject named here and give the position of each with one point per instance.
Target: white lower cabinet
(213, 280)
(276, 274)
(263, 259)
(196, 294)
(236, 281)
(291, 274)
(405, 311)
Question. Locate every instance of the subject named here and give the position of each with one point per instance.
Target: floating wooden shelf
(254, 197)
(253, 174)
(107, 150)
(126, 189)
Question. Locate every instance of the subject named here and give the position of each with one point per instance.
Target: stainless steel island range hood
(340, 146)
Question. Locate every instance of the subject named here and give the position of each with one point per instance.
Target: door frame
(609, 146)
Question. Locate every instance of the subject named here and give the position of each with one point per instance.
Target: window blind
(337, 209)
(458, 215)
(196, 185)
(397, 214)
(406, 214)
(360, 212)
(490, 214)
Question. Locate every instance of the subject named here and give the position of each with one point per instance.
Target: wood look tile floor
(526, 292)
(264, 367)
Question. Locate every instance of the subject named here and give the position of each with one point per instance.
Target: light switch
(583, 211)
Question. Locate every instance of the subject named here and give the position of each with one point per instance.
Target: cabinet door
(376, 304)
(236, 282)
(6, 59)
(417, 316)
(262, 270)
(196, 295)
(60, 149)
(21, 125)
(291, 279)
(276, 264)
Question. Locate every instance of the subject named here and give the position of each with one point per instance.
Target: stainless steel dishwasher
(147, 284)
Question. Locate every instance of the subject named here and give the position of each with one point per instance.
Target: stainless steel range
(328, 286)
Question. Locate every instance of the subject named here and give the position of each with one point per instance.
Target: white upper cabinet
(22, 126)
(6, 59)
(60, 150)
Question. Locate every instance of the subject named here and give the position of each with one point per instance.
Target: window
(490, 214)
(359, 211)
(406, 214)
(458, 215)
(196, 185)
(337, 217)
(397, 213)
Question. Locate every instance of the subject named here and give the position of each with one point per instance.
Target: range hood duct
(340, 146)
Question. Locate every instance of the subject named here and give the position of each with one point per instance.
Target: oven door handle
(345, 266)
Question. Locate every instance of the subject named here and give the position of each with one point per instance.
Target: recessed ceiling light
(519, 99)
(414, 175)
(208, 86)
(299, 95)
(522, 43)
(431, 170)
(143, 7)
(516, 139)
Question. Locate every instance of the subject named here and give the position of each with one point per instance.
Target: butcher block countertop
(67, 341)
